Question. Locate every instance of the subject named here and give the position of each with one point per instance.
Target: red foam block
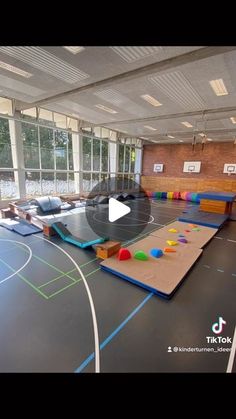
(124, 254)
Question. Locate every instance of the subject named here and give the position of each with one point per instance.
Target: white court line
(233, 241)
(22, 267)
(232, 353)
(218, 237)
(95, 326)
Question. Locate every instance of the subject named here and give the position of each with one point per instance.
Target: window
(96, 155)
(29, 135)
(46, 148)
(121, 158)
(87, 153)
(33, 183)
(105, 155)
(8, 185)
(5, 144)
(61, 147)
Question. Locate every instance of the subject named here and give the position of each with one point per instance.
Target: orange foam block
(169, 250)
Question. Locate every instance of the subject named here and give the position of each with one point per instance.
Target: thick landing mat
(161, 276)
(195, 238)
(208, 219)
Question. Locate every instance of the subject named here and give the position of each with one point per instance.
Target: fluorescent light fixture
(151, 100)
(151, 128)
(209, 139)
(181, 141)
(104, 108)
(170, 136)
(144, 138)
(218, 87)
(201, 134)
(15, 70)
(187, 124)
(233, 120)
(74, 50)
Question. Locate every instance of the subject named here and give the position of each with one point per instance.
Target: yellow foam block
(171, 242)
(173, 230)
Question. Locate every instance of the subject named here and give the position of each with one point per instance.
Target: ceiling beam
(173, 116)
(166, 64)
(189, 134)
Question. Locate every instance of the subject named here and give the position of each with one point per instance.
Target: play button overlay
(118, 208)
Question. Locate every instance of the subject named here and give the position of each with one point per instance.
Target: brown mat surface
(162, 275)
(195, 238)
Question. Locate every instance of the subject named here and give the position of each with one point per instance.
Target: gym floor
(46, 323)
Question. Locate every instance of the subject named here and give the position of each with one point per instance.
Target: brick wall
(212, 158)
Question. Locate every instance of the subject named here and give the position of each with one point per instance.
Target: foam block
(171, 242)
(156, 253)
(124, 254)
(140, 255)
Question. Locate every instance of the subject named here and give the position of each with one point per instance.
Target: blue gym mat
(217, 196)
(21, 227)
(208, 219)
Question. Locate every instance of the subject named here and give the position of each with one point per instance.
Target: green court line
(90, 273)
(47, 263)
(25, 280)
(79, 280)
(63, 289)
(56, 279)
(69, 272)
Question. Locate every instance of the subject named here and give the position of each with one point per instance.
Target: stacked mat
(21, 227)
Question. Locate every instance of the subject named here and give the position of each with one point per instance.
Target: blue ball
(156, 253)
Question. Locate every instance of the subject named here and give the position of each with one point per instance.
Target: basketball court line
(114, 333)
(23, 266)
(91, 303)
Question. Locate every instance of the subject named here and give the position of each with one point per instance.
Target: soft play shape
(196, 229)
(173, 230)
(192, 225)
(170, 195)
(124, 254)
(182, 240)
(187, 231)
(156, 253)
(140, 255)
(169, 250)
(181, 235)
(171, 242)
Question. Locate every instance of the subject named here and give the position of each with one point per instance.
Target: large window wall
(55, 157)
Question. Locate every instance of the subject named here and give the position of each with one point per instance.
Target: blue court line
(114, 333)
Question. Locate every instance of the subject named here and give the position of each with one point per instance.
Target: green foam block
(140, 255)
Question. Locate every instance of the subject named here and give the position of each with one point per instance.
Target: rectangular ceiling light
(144, 138)
(151, 128)
(201, 134)
(15, 70)
(74, 50)
(170, 136)
(104, 108)
(209, 139)
(233, 120)
(151, 100)
(218, 87)
(187, 124)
